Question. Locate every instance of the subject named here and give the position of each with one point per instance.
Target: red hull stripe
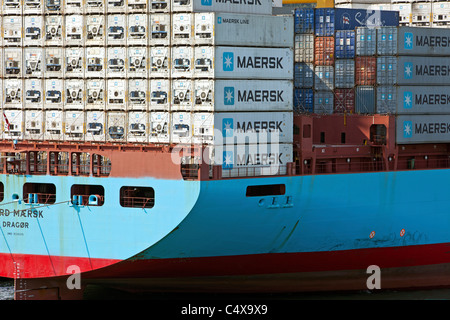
(33, 266)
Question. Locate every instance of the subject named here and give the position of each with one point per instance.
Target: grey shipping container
(366, 41)
(323, 102)
(423, 99)
(414, 70)
(422, 129)
(324, 78)
(304, 75)
(387, 41)
(386, 99)
(365, 99)
(386, 70)
(344, 73)
(423, 41)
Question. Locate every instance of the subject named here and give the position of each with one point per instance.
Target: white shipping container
(203, 128)
(74, 94)
(116, 94)
(182, 25)
(12, 30)
(231, 29)
(54, 89)
(13, 62)
(137, 6)
(159, 94)
(441, 13)
(34, 31)
(74, 123)
(137, 94)
(34, 125)
(95, 94)
(252, 6)
(137, 29)
(52, 6)
(95, 126)
(182, 92)
(181, 128)
(245, 63)
(13, 89)
(421, 13)
(182, 61)
(159, 127)
(156, 6)
(253, 160)
(54, 120)
(116, 30)
(159, 62)
(116, 62)
(243, 95)
(74, 62)
(33, 7)
(116, 6)
(74, 6)
(12, 7)
(404, 11)
(116, 126)
(34, 94)
(160, 27)
(95, 30)
(74, 25)
(95, 61)
(54, 62)
(137, 62)
(53, 30)
(15, 119)
(95, 6)
(137, 127)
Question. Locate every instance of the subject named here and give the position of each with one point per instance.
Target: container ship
(213, 146)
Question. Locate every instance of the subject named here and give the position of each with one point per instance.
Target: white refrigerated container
(160, 90)
(95, 94)
(137, 127)
(159, 127)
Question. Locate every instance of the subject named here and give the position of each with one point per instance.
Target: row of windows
(85, 195)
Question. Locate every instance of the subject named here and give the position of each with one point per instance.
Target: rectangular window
(87, 195)
(266, 190)
(44, 193)
(137, 197)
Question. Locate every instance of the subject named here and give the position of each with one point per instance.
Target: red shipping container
(365, 71)
(344, 101)
(324, 51)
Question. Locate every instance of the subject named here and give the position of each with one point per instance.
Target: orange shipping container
(365, 71)
(324, 51)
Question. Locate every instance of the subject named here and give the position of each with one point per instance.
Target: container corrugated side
(303, 100)
(303, 75)
(345, 44)
(304, 48)
(422, 129)
(386, 99)
(423, 41)
(365, 71)
(423, 99)
(344, 100)
(344, 73)
(366, 41)
(231, 29)
(387, 41)
(324, 78)
(324, 51)
(304, 20)
(415, 70)
(323, 102)
(386, 70)
(365, 99)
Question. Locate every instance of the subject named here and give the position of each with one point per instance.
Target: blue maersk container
(303, 100)
(329, 20)
(304, 20)
(345, 44)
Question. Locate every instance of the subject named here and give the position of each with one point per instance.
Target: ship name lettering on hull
(26, 213)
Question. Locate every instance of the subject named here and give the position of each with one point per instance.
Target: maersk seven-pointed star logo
(407, 100)
(227, 160)
(407, 129)
(228, 96)
(228, 61)
(227, 127)
(408, 70)
(408, 41)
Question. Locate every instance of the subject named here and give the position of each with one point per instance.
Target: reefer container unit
(34, 125)
(421, 13)
(344, 73)
(329, 20)
(158, 6)
(182, 28)
(95, 94)
(386, 70)
(74, 94)
(116, 6)
(244, 63)
(182, 60)
(324, 51)
(33, 7)
(304, 48)
(34, 62)
(202, 128)
(115, 62)
(95, 62)
(53, 129)
(52, 6)
(366, 41)
(182, 91)
(95, 30)
(74, 62)
(95, 6)
(116, 29)
(345, 44)
(159, 127)
(160, 91)
(304, 20)
(344, 100)
(54, 89)
(137, 127)
(12, 7)
(137, 62)
(116, 94)
(34, 94)
(54, 62)
(13, 90)
(441, 13)
(242, 95)
(181, 127)
(74, 26)
(74, 6)
(323, 102)
(303, 100)
(33, 31)
(137, 6)
(422, 99)
(324, 78)
(405, 12)
(253, 160)
(116, 126)
(251, 6)
(137, 29)
(160, 27)
(159, 62)
(16, 121)
(422, 129)
(365, 71)
(13, 62)
(95, 126)
(416, 70)
(303, 75)
(74, 124)
(231, 29)
(365, 101)
(12, 30)
(53, 30)
(137, 94)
